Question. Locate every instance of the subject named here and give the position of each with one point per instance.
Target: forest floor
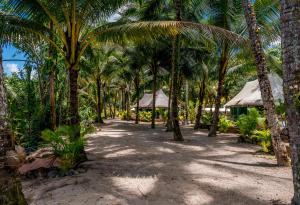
(134, 165)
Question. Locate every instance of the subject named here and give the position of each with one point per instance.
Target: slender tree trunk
(104, 101)
(52, 83)
(222, 73)
(176, 86)
(169, 124)
(200, 106)
(154, 69)
(264, 83)
(99, 110)
(186, 102)
(127, 104)
(52, 98)
(30, 101)
(115, 104)
(10, 186)
(73, 95)
(290, 30)
(137, 87)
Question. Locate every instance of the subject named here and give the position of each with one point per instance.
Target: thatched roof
(161, 100)
(250, 95)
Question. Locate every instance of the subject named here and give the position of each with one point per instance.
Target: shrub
(66, 146)
(145, 116)
(248, 123)
(224, 124)
(207, 118)
(192, 112)
(264, 139)
(123, 115)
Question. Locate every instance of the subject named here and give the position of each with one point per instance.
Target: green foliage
(224, 124)
(65, 145)
(264, 139)
(122, 115)
(164, 114)
(192, 112)
(145, 116)
(207, 118)
(248, 123)
(26, 117)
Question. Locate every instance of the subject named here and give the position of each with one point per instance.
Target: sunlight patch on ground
(197, 197)
(135, 186)
(164, 150)
(121, 153)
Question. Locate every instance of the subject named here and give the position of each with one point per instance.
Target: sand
(134, 165)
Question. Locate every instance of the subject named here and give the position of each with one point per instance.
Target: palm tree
(265, 87)
(10, 186)
(202, 89)
(176, 72)
(224, 14)
(99, 63)
(290, 28)
(77, 24)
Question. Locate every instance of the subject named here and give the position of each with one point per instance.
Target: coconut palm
(77, 24)
(290, 26)
(265, 87)
(99, 63)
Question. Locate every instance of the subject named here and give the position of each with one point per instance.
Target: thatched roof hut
(161, 100)
(250, 95)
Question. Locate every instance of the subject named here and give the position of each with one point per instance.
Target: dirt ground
(134, 165)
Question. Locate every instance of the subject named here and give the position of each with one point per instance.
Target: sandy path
(134, 165)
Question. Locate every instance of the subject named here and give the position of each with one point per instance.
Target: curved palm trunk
(10, 186)
(222, 73)
(154, 67)
(99, 109)
(290, 27)
(200, 106)
(264, 83)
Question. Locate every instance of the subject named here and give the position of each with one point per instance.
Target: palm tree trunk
(99, 110)
(115, 104)
(104, 101)
(154, 69)
(52, 83)
(290, 29)
(10, 186)
(222, 73)
(137, 87)
(176, 89)
(264, 83)
(73, 109)
(169, 124)
(176, 86)
(52, 99)
(127, 103)
(200, 106)
(186, 102)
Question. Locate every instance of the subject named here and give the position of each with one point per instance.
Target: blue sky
(11, 53)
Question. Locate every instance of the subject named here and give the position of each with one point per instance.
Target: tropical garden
(75, 127)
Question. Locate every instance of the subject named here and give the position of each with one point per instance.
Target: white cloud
(12, 67)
